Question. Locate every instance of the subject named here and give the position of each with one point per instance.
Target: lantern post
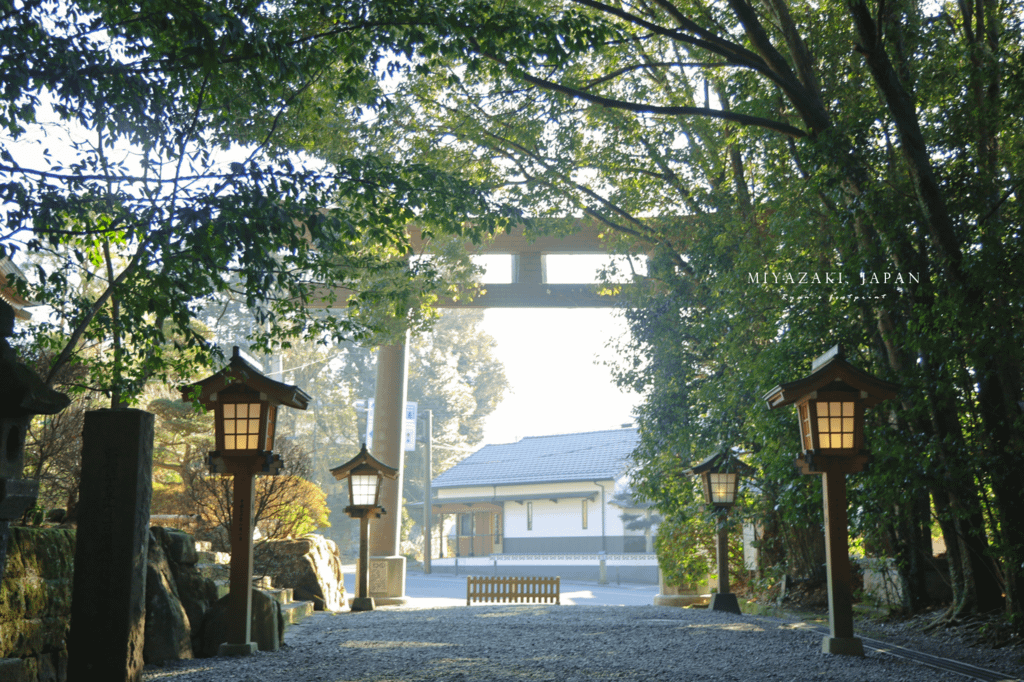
(719, 475)
(245, 403)
(365, 475)
(830, 409)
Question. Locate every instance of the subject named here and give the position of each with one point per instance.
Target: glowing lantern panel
(242, 426)
(364, 489)
(835, 425)
(723, 488)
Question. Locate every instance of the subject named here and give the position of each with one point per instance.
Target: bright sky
(554, 361)
(549, 357)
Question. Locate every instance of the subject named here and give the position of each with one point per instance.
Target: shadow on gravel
(556, 643)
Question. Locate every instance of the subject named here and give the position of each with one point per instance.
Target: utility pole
(427, 490)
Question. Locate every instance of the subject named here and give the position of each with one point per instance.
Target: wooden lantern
(365, 475)
(719, 475)
(245, 403)
(830, 408)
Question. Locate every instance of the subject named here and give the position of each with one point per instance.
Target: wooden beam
(521, 295)
(587, 237)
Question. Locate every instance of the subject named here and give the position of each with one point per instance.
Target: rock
(195, 593)
(18, 670)
(47, 670)
(168, 634)
(217, 537)
(267, 621)
(180, 547)
(310, 566)
(267, 625)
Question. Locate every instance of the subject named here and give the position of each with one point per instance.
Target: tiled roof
(598, 455)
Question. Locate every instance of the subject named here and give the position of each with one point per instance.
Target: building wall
(557, 526)
(642, 569)
(614, 544)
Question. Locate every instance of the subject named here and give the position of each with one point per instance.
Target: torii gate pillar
(387, 565)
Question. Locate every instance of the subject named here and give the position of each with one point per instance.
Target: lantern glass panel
(271, 420)
(805, 427)
(364, 489)
(723, 488)
(835, 425)
(241, 426)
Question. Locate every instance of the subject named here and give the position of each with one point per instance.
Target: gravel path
(556, 643)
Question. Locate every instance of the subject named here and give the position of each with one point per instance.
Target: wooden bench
(514, 590)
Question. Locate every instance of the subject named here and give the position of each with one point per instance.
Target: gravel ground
(556, 643)
(960, 644)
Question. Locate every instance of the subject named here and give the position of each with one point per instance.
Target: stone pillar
(387, 566)
(108, 608)
(840, 591)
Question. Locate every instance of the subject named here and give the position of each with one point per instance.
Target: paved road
(444, 590)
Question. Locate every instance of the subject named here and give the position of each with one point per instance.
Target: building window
(497, 529)
(529, 516)
(585, 514)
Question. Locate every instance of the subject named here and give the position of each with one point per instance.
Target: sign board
(409, 432)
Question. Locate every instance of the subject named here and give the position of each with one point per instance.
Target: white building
(546, 505)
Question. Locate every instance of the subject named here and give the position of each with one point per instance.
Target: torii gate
(528, 289)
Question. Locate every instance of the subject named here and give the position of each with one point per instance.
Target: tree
(454, 374)
(646, 521)
(794, 137)
(171, 188)
(733, 140)
(284, 506)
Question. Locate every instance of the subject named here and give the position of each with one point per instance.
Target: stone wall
(35, 604)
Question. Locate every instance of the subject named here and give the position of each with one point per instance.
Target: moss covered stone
(35, 595)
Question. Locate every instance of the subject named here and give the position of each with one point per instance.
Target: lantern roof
(364, 458)
(723, 461)
(241, 371)
(832, 371)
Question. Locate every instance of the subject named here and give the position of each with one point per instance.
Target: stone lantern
(245, 403)
(830, 406)
(24, 395)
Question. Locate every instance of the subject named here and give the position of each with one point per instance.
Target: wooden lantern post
(830, 407)
(245, 405)
(719, 475)
(365, 475)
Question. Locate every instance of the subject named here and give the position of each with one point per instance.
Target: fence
(513, 590)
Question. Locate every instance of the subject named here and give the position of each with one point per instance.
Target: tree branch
(743, 119)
